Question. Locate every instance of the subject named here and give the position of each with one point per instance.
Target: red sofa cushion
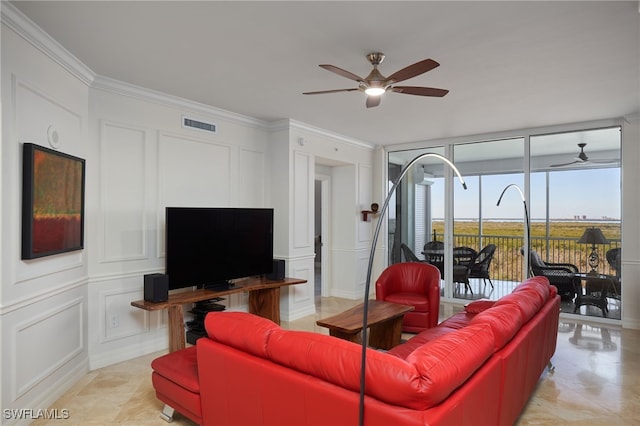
(505, 321)
(457, 321)
(447, 362)
(528, 297)
(527, 301)
(539, 285)
(419, 301)
(180, 367)
(478, 306)
(452, 323)
(405, 349)
(240, 330)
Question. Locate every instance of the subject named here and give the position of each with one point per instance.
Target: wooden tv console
(264, 300)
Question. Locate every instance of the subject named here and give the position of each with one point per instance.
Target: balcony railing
(508, 261)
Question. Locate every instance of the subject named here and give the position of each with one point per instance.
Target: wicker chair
(614, 259)
(480, 266)
(409, 255)
(463, 259)
(561, 275)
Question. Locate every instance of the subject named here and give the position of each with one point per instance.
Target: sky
(590, 193)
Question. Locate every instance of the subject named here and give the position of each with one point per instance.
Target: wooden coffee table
(384, 320)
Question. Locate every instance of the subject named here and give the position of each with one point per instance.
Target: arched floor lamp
(528, 223)
(370, 266)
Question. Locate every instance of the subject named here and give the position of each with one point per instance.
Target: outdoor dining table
(461, 261)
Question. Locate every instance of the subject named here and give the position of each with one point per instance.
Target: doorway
(321, 235)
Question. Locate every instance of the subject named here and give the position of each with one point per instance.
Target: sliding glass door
(530, 199)
(480, 224)
(576, 216)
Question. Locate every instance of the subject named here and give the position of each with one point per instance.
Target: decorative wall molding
(303, 293)
(364, 175)
(42, 296)
(252, 166)
(210, 178)
(302, 193)
(132, 195)
(110, 334)
(67, 313)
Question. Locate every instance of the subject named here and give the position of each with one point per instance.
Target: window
(571, 182)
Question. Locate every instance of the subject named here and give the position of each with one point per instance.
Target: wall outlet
(115, 321)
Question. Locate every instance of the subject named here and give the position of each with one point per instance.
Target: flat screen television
(207, 247)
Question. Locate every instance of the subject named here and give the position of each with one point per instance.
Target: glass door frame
(449, 177)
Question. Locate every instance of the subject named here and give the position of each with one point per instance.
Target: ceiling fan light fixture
(375, 84)
(374, 91)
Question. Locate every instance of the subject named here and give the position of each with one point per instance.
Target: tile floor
(596, 381)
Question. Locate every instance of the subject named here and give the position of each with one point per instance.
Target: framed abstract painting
(52, 202)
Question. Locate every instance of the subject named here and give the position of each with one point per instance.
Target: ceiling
(508, 65)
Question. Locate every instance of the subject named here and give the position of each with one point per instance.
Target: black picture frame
(53, 190)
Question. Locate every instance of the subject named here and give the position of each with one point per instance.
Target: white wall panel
(120, 319)
(35, 111)
(361, 273)
(302, 201)
(303, 293)
(298, 300)
(343, 218)
(40, 347)
(122, 192)
(193, 172)
(251, 178)
(365, 194)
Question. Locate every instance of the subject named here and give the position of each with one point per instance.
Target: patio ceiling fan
(375, 84)
(583, 158)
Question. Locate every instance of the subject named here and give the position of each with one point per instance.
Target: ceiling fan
(375, 84)
(583, 158)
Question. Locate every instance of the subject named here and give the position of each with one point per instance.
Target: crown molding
(34, 35)
(127, 89)
(298, 125)
(632, 118)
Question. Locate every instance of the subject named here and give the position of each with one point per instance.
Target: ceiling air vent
(200, 125)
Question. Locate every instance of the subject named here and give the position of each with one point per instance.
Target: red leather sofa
(478, 367)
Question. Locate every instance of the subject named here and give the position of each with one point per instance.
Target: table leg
(386, 334)
(351, 337)
(176, 328)
(265, 303)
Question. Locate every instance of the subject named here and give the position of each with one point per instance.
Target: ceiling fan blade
(340, 71)
(320, 92)
(420, 91)
(413, 70)
(567, 164)
(373, 101)
(609, 161)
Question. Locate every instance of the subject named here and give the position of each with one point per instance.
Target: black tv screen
(206, 247)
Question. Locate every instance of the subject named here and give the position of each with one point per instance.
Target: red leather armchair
(415, 284)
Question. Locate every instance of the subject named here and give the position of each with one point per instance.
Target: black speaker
(277, 273)
(156, 287)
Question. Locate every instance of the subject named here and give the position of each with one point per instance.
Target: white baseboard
(55, 392)
(124, 354)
